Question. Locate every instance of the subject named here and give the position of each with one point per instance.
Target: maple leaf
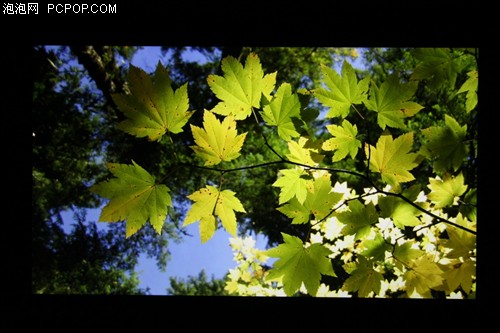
(423, 274)
(134, 197)
(364, 278)
(304, 151)
(344, 141)
(283, 108)
(293, 184)
(210, 202)
(407, 252)
(344, 91)
(446, 144)
(241, 88)
(444, 191)
(470, 86)
(217, 141)
(469, 208)
(402, 213)
(438, 65)
(319, 202)
(298, 264)
(153, 108)
(358, 219)
(460, 274)
(461, 242)
(375, 247)
(390, 101)
(392, 158)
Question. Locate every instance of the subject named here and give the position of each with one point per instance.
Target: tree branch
(377, 189)
(102, 68)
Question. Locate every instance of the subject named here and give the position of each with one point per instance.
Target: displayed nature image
(342, 172)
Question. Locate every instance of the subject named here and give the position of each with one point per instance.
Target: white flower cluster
(248, 278)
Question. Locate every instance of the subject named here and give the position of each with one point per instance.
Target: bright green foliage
(358, 219)
(468, 209)
(344, 141)
(422, 276)
(293, 183)
(241, 88)
(280, 112)
(437, 65)
(319, 202)
(471, 87)
(392, 158)
(375, 248)
(134, 197)
(391, 102)
(296, 211)
(210, 202)
(299, 264)
(462, 267)
(304, 152)
(391, 238)
(407, 252)
(461, 242)
(445, 144)
(364, 278)
(460, 274)
(152, 107)
(344, 90)
(444, 191)
(217, 141)
(402, 213)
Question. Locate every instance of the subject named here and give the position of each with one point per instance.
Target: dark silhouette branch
(102, 68)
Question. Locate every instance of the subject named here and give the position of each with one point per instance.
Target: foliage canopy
(405, 235)
(365, 181)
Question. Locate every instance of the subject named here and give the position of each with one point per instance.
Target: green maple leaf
(376, 247)
(280, 112)
(134, 197)
(444, 191)
(462, 243)
(241, 88)
(210, 202)
(468, 209)
(460, 274)
(358, 219)
(217, 141)
(423, 274)
(446, 144)
(364, 278)
(407, 252)
(470, 86)
(344, 141)
(298, 264)
(319, 202)
(402, 213)
(293, 183)
(437, 65)
(390, 101)
(296, 211)
(344, 91)
(304, 152)
(392, 158)
(153, 108)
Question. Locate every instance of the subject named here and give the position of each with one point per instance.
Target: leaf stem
(359, 113)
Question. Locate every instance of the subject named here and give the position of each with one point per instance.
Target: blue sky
(189, 256)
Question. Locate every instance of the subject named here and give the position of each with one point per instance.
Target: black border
(266, 25)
